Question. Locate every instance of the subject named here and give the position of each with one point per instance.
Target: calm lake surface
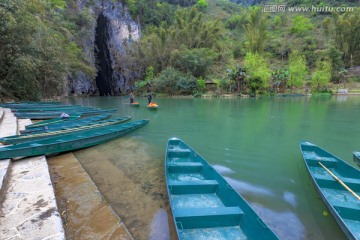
(254, 143)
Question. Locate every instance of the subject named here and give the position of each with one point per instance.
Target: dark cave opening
(102, 54)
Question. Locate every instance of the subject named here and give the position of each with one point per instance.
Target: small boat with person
(135, 104)
(152, 105)
(70, 141)
(338, 184)
(203, 204)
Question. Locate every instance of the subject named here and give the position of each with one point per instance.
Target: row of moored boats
(203, 204)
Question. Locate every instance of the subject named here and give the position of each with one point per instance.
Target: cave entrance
(102, 56)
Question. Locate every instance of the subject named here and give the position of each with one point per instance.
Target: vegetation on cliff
(184, 45)
(36, 49)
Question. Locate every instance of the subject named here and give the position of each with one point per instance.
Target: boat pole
(341, 182)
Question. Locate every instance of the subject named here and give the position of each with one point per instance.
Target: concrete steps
(28, 208)
(28, 203)
(8, 127)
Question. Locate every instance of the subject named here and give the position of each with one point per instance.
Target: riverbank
(51, 198)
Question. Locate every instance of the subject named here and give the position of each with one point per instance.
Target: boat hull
(356, 158)
(16, 139)
(341, 203)
(203, 204)
(65, 124)
(70, 142)
(51, 114)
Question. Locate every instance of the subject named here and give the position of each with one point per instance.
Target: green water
(254, 143)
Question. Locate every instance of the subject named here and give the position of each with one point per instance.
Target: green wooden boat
(43, 106)
(70, 142)
(328, 174)
(62, 109)
(16, 139)
(52, 120)
(203, 204)
(41, 102)
(49, 115)
(356, 158)
(66, 124)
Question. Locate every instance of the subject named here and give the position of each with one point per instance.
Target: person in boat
(64, 115)
(131, 97)
(149, 97)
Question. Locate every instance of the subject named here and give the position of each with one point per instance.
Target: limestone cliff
(109, 27)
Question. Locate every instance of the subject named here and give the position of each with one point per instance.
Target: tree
(321, 75)
(301, 25)
(238, 75)
(202, 4)
(36, 53)
(195, 61)
(347, 37)
(257, 67)
(297, 70)
(255, 30)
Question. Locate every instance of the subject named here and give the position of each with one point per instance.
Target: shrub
(195, 61)
(171, 81)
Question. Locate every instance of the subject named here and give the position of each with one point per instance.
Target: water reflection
(248, 188)
(159, 229)
(285, 224)
(290, 198)
(222, 169)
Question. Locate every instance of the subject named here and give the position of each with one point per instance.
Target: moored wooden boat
(52, 120)
(16, 139)
(43, 106)
(49, 115)
(63, 109)
(356, 158)
(69, 142)
(338, 184)
(203, 204)
(58, 125)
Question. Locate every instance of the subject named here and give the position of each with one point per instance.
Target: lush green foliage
(36, 54)
(255, 30)
(297, 71)
(171, 81)
(322, 75)
(190, 40)
(301, 25)
(257, 67)
(195, 61)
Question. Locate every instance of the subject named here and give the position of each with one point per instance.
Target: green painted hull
(356, 158)
(52, 121)
(37, 102)
(62, 109)
(77, 122)
(50, 115)
(70, 142)
(16, 139)
(203, 204)
(342, 204)
(32, 106)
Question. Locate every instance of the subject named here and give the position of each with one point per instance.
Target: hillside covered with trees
(240, 46)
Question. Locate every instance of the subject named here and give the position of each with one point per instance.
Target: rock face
(103, 38)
